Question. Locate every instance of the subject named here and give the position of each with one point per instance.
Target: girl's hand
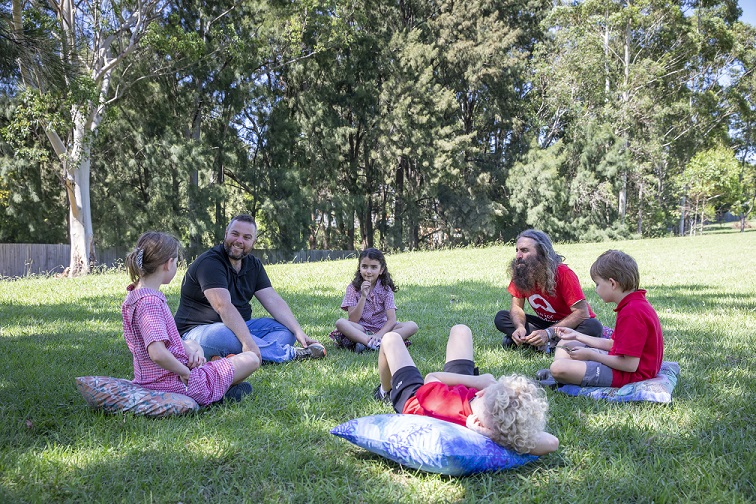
(196, 357)
(185, 379)
(365, 288)
(566, 333)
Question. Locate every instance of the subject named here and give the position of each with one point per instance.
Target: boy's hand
(566, 333)
(581, 353)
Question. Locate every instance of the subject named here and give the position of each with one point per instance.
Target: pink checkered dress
(374, 313)
(147, 319)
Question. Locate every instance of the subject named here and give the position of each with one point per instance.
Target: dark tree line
(400, 125)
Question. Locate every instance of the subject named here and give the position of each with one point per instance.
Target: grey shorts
(596, 375)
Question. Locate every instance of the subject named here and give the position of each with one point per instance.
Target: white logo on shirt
(539, 302)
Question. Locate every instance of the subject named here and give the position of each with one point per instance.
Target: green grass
(275, 446)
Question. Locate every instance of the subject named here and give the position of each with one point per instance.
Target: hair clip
(139, 257)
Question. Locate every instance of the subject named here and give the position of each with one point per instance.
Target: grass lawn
(275, 446)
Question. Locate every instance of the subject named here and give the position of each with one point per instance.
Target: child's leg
(459, 351)
(405, 329)
(460, 343)
(352, 330)
(392, 356)
(244, 364)
(567, 370)
(561, 353)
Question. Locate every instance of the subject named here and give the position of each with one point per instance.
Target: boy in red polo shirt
(636, 349)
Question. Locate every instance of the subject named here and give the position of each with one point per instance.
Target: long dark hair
(548, 254)
(385, 277)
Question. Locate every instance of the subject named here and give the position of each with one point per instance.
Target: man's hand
(518, 335)
(537, 338)
(305, 340)
(249, 345)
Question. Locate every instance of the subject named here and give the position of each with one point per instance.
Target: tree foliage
(356, 123)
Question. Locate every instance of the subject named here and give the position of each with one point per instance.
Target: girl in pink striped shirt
(369, 301)
(162, 360)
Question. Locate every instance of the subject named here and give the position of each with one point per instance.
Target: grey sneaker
(543, 377)
(314, 351)
(359, 348)
(380, 396)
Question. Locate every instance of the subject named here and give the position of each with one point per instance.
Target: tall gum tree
(94, 38)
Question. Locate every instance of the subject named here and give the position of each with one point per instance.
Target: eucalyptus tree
(96, 39)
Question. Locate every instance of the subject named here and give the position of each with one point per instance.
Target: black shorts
(406, 381)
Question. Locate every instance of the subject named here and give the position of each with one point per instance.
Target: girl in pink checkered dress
(162, 360)
(369, 301)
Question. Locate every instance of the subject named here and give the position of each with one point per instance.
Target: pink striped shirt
(147, 319)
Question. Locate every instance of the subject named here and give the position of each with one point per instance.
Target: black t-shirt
(213, 270)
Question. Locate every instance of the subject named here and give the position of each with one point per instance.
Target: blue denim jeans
(274, 339)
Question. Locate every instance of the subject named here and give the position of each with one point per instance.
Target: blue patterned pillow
(657, 389)
(429, 444)
(114, 395)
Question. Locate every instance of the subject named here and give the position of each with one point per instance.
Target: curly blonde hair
(515, 412)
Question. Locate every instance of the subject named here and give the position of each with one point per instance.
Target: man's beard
(229, 246)
(528, 275)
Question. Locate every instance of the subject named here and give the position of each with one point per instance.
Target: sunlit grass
(275, 446)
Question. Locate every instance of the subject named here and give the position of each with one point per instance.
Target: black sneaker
(507, 342)
(237, 392)
(380, 396)
(314, 351)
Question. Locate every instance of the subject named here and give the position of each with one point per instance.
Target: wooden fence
(24, 259)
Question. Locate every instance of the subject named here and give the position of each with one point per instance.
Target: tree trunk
(398, 230)
(625, 99)
(81, 26)
(640, 209)
(350, 230)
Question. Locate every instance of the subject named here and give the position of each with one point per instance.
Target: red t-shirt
(637, 333)
(445, 402)
(555, 308)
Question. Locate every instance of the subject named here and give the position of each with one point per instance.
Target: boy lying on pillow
(510, 411)
(636, 349)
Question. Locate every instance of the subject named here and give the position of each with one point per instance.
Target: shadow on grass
(280, 435)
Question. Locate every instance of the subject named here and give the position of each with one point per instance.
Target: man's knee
(591, 327)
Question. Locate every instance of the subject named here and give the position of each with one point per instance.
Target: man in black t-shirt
(215, 308)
